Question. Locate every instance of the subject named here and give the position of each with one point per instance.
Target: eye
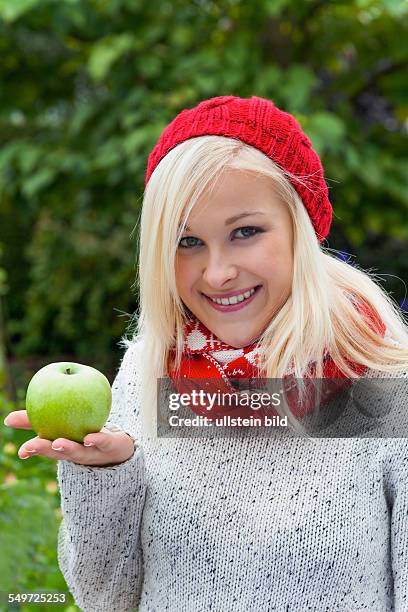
(248, 232)
(189, 242)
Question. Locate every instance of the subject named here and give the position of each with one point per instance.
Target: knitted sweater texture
(241, 524)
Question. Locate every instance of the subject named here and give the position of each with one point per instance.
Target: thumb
(101, 440)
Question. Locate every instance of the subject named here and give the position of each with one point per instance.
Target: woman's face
(237, 247)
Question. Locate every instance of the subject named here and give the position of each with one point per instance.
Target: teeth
(235, 299)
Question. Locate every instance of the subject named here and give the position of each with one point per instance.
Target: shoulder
(133, 350)
(381, 398)
(401, 373)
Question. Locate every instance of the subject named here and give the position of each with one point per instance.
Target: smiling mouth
(235, 299)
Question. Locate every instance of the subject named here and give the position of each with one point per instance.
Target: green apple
(68, 400)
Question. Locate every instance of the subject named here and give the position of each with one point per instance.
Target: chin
(237, 343)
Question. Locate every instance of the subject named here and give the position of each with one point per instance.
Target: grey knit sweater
(241, 524)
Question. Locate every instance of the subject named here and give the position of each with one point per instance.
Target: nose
(218, 270)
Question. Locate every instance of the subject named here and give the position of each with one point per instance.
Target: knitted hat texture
(260, 124)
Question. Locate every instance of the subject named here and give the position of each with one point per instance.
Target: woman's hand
(103, 449)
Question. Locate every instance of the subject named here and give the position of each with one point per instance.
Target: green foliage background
(86, 88)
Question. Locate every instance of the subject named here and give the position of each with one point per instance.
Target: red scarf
(197, 363)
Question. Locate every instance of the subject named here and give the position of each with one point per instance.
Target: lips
(234, 307)
(221, 296)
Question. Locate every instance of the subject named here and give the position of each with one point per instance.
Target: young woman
(235, 283)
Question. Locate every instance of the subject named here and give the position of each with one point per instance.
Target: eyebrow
(235, 218)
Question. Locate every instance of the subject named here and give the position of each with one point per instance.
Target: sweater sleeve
(99, 550)
(396, 488)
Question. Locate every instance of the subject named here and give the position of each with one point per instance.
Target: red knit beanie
(259, 123)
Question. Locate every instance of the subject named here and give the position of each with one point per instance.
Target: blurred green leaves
(87, 87)
(106, 51)
(30, 516)
(10, 11)
(326, 131)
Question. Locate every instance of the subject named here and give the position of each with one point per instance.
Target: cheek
(274, 256)
(185, 275)
(276, 266)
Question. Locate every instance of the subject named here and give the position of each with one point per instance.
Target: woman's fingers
(106, 448)
(18, 419)
(57, 449)
(103, 440)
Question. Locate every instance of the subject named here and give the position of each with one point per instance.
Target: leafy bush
(89, 87)
(29, 519)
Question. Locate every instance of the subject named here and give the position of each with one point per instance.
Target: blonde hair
(319, 316)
